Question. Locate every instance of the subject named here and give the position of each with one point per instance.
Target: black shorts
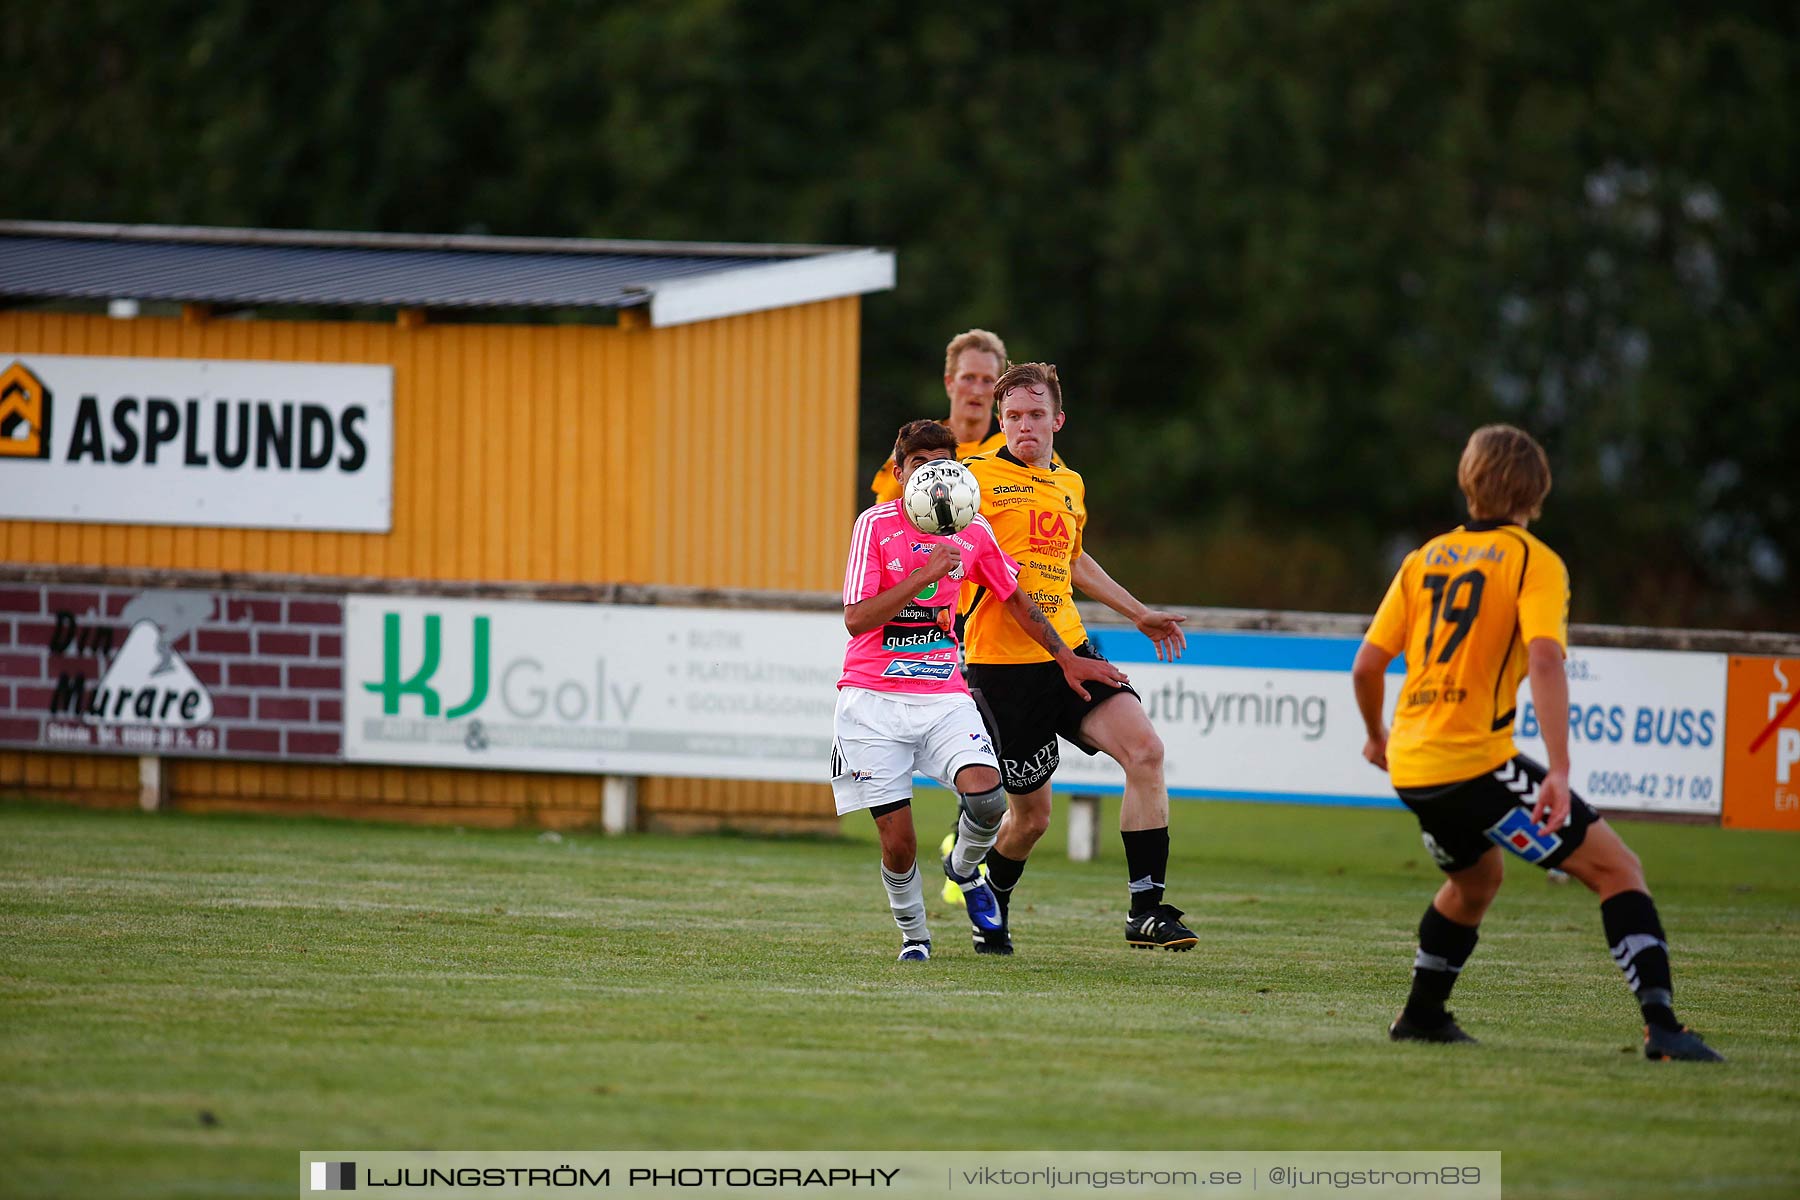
(1461, 821)
(1026, 706)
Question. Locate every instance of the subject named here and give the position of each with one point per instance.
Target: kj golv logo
(395, 685)
(518, 683)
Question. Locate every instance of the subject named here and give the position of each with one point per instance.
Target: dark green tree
(1287, 255)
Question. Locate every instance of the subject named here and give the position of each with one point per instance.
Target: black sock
(1444, 946)
(1635, 936)
(1003, 877)
(1146, 862)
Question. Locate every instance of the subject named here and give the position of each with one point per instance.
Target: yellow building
(564, 414)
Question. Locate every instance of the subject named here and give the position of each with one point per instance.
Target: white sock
(906, 896)
(972, 844)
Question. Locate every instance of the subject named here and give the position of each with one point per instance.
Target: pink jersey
(915, 651)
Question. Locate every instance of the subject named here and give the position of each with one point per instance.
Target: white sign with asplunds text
(209, 442)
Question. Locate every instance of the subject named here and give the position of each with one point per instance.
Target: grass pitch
(188, 1002)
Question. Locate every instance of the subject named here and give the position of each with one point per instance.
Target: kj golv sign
(175, 441)
(576, 687)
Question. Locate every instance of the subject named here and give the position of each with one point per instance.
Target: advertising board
(210, 442)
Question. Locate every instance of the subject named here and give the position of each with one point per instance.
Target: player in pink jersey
(903, 707)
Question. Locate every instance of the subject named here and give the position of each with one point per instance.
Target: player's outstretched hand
(1375, 749)
(1079, 671)
(944, 558)
(1164, 631)
(1552, 807)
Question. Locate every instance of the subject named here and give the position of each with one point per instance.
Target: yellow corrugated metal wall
(95, 780)
(717, 454)
(482, 799)
(566, 454)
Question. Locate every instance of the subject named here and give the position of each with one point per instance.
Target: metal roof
(680, 281)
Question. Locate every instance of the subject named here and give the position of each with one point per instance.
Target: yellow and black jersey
(1038, 515)
(1463, 608)
(886, 487)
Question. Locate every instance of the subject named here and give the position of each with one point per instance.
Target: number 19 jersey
(1462, 609)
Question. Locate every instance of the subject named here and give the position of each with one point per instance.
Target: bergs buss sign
(181, 441)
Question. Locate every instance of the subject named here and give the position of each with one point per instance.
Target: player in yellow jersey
(972, 362)
(1476, 611)
(1038, 510)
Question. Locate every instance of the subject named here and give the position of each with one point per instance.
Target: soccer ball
(941, 497)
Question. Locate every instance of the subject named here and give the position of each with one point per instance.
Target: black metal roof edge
(351, 240)
(630, 297)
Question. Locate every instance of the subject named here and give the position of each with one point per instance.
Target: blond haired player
(1038, 509)
(1475, 611)
(972, 362)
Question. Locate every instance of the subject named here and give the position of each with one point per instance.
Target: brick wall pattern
(272, 664)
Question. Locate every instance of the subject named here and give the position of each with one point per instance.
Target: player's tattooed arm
(1032, 620)
(1076, 670)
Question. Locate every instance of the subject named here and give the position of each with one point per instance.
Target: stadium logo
(334, 1177)
(1007, 495)
(24, 414)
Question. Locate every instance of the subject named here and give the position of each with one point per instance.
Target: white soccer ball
(941, 497)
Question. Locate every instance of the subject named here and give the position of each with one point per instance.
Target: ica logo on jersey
(1049, 531)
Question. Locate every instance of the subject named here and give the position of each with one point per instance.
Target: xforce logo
(24, 414)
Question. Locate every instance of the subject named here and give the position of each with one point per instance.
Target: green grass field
(310, 984)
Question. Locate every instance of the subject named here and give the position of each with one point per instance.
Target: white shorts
(882, 740)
